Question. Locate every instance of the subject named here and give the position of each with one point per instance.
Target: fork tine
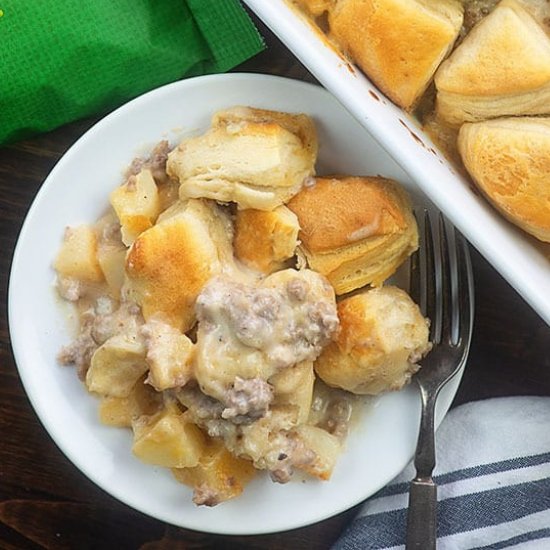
(415, 280)
(465, 291)
(431, 275)
(449, 279)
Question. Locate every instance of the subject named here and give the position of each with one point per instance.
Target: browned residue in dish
(416, 138)
(374, 95)
(413, 135)
(334, 47)
(350, 68)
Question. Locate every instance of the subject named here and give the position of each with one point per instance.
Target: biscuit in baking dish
(509, 161)
(265, 240)
(256, 158)
(355, 230)
(398, 43)
(501, 68)
(382, 336)
(168, 264)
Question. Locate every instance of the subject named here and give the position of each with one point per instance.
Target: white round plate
(76, 192)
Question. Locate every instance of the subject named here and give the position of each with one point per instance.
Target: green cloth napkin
(61, 60)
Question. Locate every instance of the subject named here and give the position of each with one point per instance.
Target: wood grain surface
(45, 502)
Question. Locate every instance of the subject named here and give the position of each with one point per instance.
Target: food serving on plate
(215, 314)
(456, 62)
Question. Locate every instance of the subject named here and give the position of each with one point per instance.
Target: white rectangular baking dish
(521, 259)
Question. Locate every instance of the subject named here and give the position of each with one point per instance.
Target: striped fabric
(493, 477)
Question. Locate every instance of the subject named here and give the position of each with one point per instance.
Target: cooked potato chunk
(111, 261)
(218, 476)
(169, 355)
(294, 386)
(122, 411)
(326, 447)
(136, 204)
(116, 366)
(77, 258)
(168, 439)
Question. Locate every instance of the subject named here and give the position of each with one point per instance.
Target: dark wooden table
(45, 502)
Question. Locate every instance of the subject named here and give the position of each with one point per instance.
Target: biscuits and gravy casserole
(476, 74)
(231, 303)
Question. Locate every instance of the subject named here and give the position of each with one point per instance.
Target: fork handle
(422, 514)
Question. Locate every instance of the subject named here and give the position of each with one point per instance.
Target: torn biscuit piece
(255, 158)
(266, 240)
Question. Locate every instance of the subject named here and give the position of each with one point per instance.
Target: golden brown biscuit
(266, 240)
(398, 43)
(256, 158)
(355, 230)
(382, 336)
(168, 264)
(509, 159)
(501, 68)
(300, 125)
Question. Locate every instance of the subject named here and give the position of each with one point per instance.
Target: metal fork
(441, 281)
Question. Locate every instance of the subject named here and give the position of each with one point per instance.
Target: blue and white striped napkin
(493, 477)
